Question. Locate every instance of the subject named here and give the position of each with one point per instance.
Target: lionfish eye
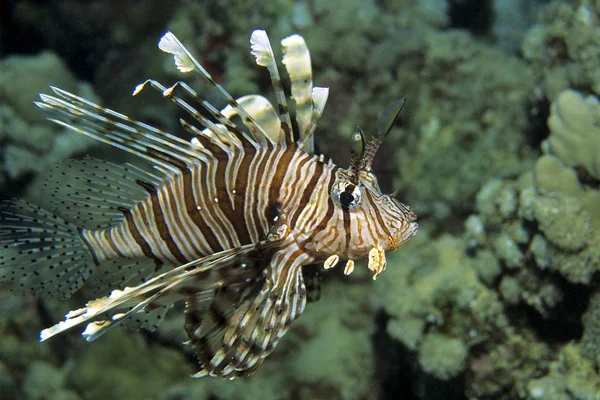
(347, 195)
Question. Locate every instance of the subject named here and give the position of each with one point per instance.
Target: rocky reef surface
(498, 150)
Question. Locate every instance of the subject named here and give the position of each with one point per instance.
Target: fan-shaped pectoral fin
(256, 319)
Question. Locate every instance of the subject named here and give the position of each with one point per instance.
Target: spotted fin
(89, 192)
(42, 254)
(121, 273)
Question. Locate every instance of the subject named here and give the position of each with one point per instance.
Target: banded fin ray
(262, 314)
(162, 290)
(263, 113)
(296, 59)
(319, 96)
(160, 148)
(207, 316)
(226, 131)
(185, 62)
(262, 51)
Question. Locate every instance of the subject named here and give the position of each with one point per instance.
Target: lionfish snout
(400, 234)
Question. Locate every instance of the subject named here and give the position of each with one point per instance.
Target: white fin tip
(139, 88)
(261, 47)
(170, 44)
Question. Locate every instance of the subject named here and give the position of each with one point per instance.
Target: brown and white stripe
(236, 212)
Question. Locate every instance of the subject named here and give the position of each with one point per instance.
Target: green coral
(567, 233)
(564, 47)
(442, 356)
(552, 176)
(571, 377)
(29, 143)
(575, 131)
(563, 221)
(453, 324)
(591, 330)
(462, 143)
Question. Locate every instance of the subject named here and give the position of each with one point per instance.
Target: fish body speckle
(225, 222)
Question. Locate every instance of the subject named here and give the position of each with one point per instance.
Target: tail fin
(41, 254)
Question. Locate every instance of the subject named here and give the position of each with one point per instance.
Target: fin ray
(90, 119)
(296, 59)
(162, 290)
(185, 62)
(260, 316)
(42, 254)
(262, 51)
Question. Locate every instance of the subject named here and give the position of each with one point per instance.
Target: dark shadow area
(400, 375)
(537, 130)
(563, 323)
(476, 16)
(14, 36)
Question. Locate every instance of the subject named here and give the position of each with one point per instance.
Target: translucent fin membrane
(42, 254)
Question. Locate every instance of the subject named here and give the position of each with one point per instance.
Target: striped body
(185, 219)
(225, 222)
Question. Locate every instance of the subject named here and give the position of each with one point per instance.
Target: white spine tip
(200, 374)
(169, 43)
(139, 88)
(45, 334)
(168, 91)
(261, 47)
(319, 95)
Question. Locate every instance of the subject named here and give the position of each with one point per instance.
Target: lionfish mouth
(413, 229)
(402, 234)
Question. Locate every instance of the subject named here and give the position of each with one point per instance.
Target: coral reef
(570, 377)
(512, 19)
(564, 47)
(28, 143)
(497, 297)
(461, 143)
(575, 128)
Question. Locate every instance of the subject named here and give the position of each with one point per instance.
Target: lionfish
(225, 222)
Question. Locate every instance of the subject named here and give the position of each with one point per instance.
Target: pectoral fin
(161, 291)
(240, 328)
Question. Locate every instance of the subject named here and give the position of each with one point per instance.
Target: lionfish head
(374, 222)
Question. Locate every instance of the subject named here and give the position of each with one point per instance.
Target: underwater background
(497, 150)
